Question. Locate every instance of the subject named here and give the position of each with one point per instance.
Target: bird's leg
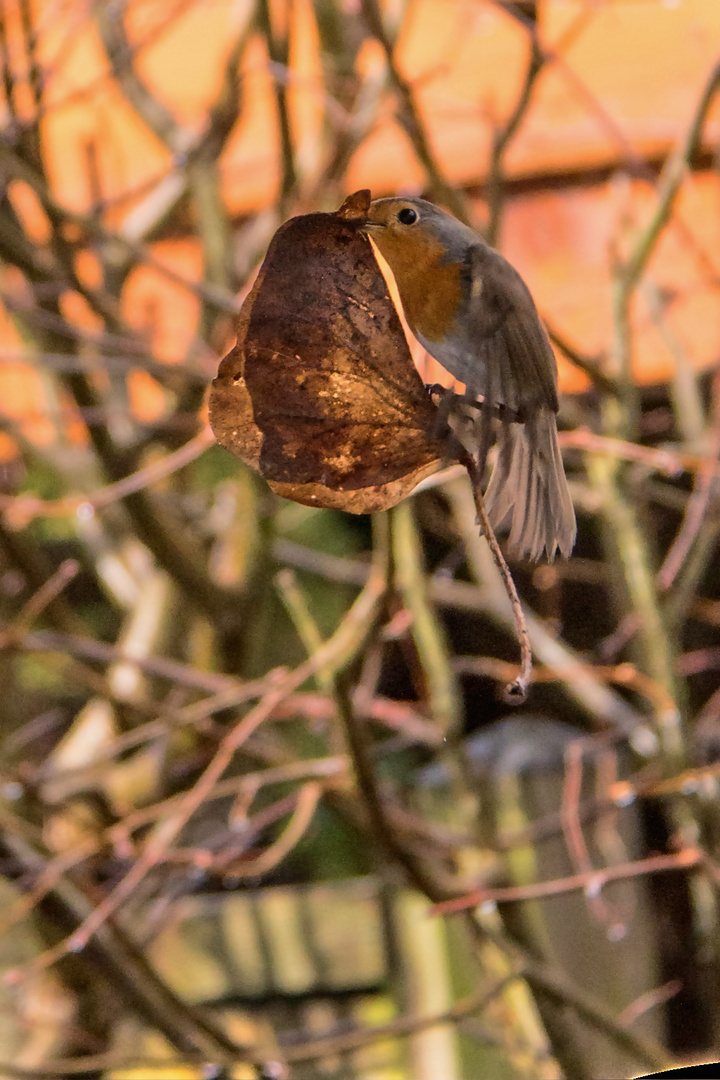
(444, 400)
(450, 424)
(469, 420)
(454, 422)
(503, 413)
(437, 390)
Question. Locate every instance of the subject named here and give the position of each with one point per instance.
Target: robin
(473, 312)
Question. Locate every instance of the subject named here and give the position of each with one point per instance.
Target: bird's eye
(407, 216)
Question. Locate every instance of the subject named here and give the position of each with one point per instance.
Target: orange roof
(623, 78)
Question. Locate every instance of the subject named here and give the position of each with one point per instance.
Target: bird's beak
(371, 226)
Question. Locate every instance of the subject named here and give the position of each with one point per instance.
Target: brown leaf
(320, 394)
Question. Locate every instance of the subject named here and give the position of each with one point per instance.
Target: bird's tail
(528, 490)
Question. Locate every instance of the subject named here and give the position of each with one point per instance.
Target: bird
(472, 311)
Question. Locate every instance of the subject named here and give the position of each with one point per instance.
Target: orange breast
(431, 290)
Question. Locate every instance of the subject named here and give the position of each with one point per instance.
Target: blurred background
(245, 745)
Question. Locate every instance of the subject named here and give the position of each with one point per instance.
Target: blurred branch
(34, 567)
(403, 1027)
(555, 56)
(88, 1066)
(94, 230)
(589, 365)
(200, 177)
(628, 543)
(6, 71)
(431, 879)
(549, 983)
(687, 398)
(297, 607)
(91, 649)
(337, 651)
(157, 116)
(352, 95)
(409, 116)
(171, 13)
(175, 550)
(141, 988)
(630, 271)
(27, 118)
(591, 881)
(278, 48)
(21, 509)
(306, 800)
(242, 787)
(39, 601)
(669, 461)
(625, 533)
(297, 1054)
(136, 353)
(669, 185)
(177, 553)
(697, 505)
(427, 632)
(420, 871)
(494, 185)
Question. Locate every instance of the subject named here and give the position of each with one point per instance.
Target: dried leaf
(320, 394)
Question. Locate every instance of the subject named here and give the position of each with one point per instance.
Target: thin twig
(591, 881)
(515, 691)
(306, 799)
(20, 510)
(41, 599)
(669, 462)
(403, 1027)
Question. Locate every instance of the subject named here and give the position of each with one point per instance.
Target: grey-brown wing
(516, 363)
